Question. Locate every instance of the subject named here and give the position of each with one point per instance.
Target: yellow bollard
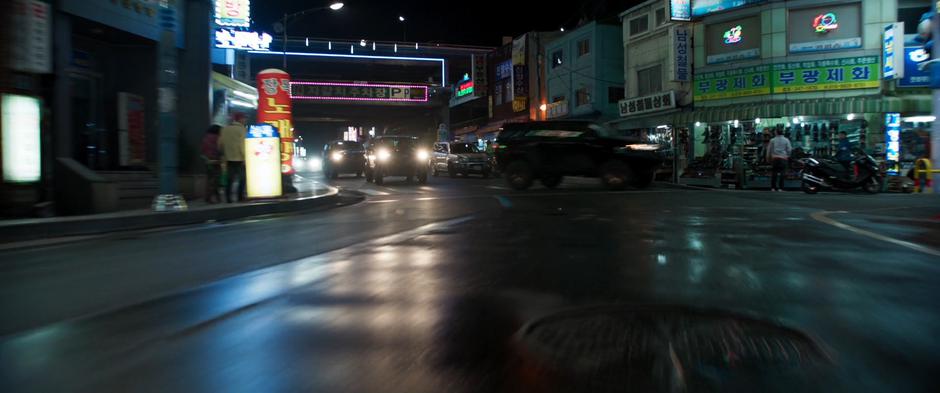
(923, 176)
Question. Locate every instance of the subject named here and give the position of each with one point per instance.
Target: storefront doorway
(90, 145)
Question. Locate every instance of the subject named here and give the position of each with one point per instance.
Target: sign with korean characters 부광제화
(263, 161)
(826, 75)
(741, 82)
(646, 104)
(274, 108)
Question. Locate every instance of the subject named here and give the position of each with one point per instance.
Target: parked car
(340, 157)
(396, 156)
(549, 150)
(459, 158)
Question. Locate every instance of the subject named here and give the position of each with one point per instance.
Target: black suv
(549, 150)
(396, 156)
(343, 157)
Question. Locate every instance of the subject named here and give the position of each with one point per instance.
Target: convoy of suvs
(523, 153)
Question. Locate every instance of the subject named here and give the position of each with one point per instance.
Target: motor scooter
(822, 173)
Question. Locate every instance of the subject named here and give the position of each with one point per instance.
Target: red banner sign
(274, 108)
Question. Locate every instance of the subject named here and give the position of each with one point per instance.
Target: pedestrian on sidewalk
(232, 146)
(212, 157)
(778, 152)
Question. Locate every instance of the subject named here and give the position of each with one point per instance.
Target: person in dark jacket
(844, 150)
(211, 155)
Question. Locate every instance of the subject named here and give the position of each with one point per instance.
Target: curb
(94, 225)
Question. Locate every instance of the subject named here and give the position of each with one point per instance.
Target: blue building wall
(595, 71)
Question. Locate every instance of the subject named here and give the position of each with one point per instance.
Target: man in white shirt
(778, 153)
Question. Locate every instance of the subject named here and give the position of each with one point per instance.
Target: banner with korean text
(274, 108)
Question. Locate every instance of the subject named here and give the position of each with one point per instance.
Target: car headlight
(337, 156)
(384, 155)
(316, 164)
(421, 155)
(642, 147)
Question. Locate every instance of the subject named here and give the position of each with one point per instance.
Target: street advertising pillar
(263, 161)
(274, 108)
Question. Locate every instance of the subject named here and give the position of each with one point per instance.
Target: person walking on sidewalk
(211, 155)
(232, 146)
(778, 152)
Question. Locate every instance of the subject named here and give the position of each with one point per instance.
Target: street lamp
(404, 31)
(334, 6)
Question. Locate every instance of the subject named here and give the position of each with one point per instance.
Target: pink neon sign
(338, 91)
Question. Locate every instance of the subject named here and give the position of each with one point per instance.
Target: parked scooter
(821, 173)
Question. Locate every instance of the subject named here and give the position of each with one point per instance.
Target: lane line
(823, 217)
(372, 192)
(382, 201)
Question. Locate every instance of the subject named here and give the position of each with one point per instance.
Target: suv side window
(440, 148)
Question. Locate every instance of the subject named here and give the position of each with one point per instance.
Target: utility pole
(935, 84)
(168, 155)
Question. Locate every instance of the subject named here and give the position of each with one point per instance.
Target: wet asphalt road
(427, 289)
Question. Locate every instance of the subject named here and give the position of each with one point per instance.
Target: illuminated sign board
(733, 36)
(465, 88)
(825, 23)
(705, 7)
(21, 124)
(893, 142)
(234, 13)
(238, 39)
(893, 51)
(263, 161)
(913, 75)
(680, 10)
(337, 91)
(275, 108)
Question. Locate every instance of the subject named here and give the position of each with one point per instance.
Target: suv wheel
(519, 175)
(423, 177)
(368, 176)
(451, 171)
(615, 175)
(550, 181)
(379, 178)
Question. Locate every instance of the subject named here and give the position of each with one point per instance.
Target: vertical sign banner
(21, 117)
(31, 31)
(274, 108)
(479, 75)
(518, 50)
(893, 142)
(680, 10)
(235, 13)
(262, 161)
(132, 140)
(682, 71)
(893, 51)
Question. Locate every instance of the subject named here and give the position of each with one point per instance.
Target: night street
(427, 289)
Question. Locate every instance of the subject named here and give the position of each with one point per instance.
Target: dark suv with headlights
(550, 150)
(341, 157)
(396, 156)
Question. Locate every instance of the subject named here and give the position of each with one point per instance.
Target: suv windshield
(347, 146)
(396, 142)
(463, 148)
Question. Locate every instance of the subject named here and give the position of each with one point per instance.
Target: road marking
(382, 201)
(372, 192)
(426, 199)
(497, 188)
(823, 217)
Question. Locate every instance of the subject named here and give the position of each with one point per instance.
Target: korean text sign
(274, 108)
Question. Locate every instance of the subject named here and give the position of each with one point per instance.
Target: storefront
(231, 96)
(814, 80)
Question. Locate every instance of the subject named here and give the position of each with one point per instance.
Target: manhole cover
(667, 348)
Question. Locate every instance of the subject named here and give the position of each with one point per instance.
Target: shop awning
(496, 125)
(220, 81)
(819, 107)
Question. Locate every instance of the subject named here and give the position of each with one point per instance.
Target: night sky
(480, 22)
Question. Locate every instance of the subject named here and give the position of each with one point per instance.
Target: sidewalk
(310, 197)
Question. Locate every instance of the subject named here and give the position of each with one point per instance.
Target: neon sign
(465, 88)
(825, 23)
(733, 36)
(235, 13)
(237, 39)
(335, 91)
(893, 142)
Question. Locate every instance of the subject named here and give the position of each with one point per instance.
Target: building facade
(585, 73)
(810, 68)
